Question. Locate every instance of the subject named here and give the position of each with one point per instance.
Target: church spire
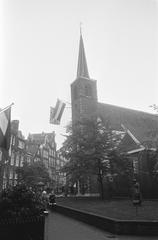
(82, 69)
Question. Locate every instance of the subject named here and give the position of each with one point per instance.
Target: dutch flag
(56, 113)
(5, 132)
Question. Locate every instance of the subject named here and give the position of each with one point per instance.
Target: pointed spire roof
(82, 69)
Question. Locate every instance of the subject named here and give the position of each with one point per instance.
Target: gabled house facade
(42, 147)
(16, 157)
(60, 175)
(38, 147)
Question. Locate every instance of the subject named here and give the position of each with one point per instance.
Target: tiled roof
(127, 144)
(32, 148)
(144, 126)
(37, 137)
(40, 137)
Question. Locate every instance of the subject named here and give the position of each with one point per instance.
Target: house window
(11, 174)
(21, 144)
(46, 164)
(54, 162)
(5, 174)
(12, 159)
(17, 161)
(51, 152)
(16, 176)
(22, 161)
(45, 154)
(13, 140)
(15, 182)
(51, 161)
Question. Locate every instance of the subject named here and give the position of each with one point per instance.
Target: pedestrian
(137, 198)
(45, 198)
(52, 197)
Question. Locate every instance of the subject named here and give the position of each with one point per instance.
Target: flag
(5, 131)
(56, 113)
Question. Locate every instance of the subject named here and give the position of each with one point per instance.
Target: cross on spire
(81, 28)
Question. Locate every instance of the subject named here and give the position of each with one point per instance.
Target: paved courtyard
(60, 227)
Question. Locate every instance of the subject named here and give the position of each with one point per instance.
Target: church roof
(142, 127)
(82, 68)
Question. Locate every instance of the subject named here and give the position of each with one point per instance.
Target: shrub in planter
(20, 201)
(21, 214)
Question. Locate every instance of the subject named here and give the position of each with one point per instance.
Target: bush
(20, 201)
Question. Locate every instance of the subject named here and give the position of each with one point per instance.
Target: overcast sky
(39, 46)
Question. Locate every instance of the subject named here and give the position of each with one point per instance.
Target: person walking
(52, 197)
(137, 198)
(45, 199)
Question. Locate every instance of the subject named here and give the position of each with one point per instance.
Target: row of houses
(39, 146)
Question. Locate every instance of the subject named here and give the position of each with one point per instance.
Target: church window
(88, 90)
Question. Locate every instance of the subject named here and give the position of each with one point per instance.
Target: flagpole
(5, 158)
(4, 167)
(2, 110)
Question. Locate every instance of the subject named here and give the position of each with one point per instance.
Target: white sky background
(39, 46)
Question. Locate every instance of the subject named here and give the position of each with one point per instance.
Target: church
(140, 128)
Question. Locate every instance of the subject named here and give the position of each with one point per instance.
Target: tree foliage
(120, 164)
(88, 148)
(32, 174)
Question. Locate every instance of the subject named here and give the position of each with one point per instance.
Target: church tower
(83, 89)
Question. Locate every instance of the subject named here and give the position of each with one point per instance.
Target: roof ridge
(130, 109)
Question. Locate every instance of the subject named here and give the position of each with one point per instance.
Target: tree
(120, 164)
(32, 174)
(87, 148)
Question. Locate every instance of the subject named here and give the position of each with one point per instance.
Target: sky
(39, 44)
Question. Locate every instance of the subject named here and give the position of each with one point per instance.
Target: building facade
(60, 175)
(42, 147)
(37, 147)
(140, 129)
(16, 156)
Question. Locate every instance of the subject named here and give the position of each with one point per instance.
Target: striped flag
(56, 113)
(5, 131)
